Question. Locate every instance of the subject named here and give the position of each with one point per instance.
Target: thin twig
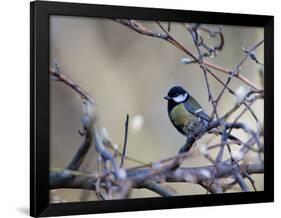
(235, 71)
(195, 38)
(62, 78)
(125, 141)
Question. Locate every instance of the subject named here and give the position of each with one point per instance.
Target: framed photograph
(142, 109)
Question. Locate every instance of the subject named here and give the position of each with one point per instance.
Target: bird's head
(177, 94)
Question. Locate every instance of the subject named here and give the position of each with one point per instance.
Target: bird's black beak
(167, 98)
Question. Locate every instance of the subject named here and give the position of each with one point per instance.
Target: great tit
(185, 112)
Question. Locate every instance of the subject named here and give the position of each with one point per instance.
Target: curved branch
(136, 26)
(62, 78)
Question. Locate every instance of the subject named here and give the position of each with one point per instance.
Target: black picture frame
(39, 108)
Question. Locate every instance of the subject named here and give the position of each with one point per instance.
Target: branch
(106, 155)
(195, 37)
(125, 141)
(235, 71)
(81, 152)
(136, 26)
(241, 181)
(73, 179)
(62, 78)
(155, 187)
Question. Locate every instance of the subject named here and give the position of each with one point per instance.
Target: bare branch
(157, 188)
(125, 141)
(81, 152)
(62, 78)
(136, 26)
(73, 179)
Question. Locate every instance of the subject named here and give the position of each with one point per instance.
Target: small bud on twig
(186, 61)
(241, 94)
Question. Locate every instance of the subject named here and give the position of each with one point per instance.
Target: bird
(186, 114)
(184, 111)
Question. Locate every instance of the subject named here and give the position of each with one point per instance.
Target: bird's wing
(195, 108)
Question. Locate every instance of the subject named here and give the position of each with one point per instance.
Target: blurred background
(128, 73)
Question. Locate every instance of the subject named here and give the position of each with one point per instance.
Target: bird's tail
(231, 137)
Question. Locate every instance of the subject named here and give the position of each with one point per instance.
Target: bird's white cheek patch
(180, 98)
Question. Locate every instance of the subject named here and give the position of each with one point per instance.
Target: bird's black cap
(175, 91)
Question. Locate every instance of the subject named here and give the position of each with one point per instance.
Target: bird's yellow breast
(180, 116)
